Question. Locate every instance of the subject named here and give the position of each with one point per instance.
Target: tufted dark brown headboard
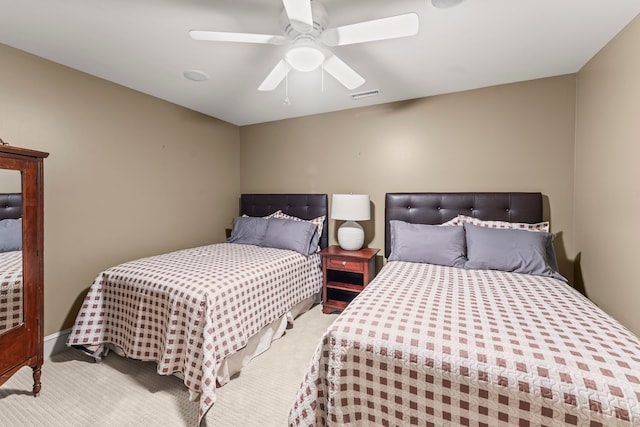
(436, 208)
(10, 206)
(305, 206)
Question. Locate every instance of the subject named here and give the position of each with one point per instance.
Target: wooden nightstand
(345, 275)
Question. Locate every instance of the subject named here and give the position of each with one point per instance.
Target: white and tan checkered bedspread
(10, 290)
(188, 310)
(431, 346)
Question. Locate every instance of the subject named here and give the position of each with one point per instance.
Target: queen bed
(481, 331)
(203, 313)
(10, 261)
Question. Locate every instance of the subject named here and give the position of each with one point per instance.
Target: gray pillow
(248, 230)
(10, 235)
(433, 244)
(299, 236)
(518, 251)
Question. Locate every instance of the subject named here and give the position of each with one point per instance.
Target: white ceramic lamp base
(350, 236)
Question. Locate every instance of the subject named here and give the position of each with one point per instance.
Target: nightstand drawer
(346, 265)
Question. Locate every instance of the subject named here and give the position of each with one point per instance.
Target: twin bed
(468, 323)
(438, 340)
(10, 261)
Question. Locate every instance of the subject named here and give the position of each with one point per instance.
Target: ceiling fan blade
(299, 14)
(220, 36)
(342, 72)
(276, 76)
(367, 31)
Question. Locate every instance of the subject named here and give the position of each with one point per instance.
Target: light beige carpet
(121, 392)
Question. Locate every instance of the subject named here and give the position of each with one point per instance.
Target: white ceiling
(144, 45)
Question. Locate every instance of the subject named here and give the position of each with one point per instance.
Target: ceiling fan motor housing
(306, 53)
(320, 22)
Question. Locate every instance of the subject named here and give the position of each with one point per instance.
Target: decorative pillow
(319, 221)
(432, 244)
(514, 250)
(10, 235)
(271, 215)
(452, 222)
(248, 230)
(540, 226)
(299, 236)
(463, 219)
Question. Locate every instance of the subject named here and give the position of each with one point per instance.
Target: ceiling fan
(309, 41)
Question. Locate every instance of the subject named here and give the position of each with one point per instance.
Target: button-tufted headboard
(436, 208)
(10, 206)
(305, 206)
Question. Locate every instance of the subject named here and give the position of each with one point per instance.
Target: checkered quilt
(188, 310)
(431, 346)
(10, 290)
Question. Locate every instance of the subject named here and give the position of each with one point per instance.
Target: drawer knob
(344, 263)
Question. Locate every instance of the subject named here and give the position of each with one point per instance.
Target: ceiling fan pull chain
(286, 90)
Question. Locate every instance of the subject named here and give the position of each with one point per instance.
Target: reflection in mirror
(11, 301)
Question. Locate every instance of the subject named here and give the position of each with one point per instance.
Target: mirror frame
(23, 345)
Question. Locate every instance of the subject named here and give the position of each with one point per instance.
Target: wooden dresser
(21, 266)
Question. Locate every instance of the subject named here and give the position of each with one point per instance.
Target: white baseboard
(55, 343)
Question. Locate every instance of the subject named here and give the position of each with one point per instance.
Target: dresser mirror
(11, 268)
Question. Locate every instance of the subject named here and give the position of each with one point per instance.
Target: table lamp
(350, 208)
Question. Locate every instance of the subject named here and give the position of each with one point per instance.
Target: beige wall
(128, 175)
(124, 165)
(517, 137)
(607, 189)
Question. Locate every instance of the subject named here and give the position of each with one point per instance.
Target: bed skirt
(260, 342)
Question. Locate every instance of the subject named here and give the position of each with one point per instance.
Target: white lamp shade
(350, 207)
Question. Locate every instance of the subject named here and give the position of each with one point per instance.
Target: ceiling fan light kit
(304, 55)
(304, 23)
